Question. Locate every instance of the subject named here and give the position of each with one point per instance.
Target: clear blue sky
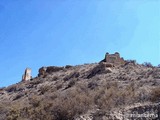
(36, 33)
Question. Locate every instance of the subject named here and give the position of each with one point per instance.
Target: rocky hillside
(97, 91)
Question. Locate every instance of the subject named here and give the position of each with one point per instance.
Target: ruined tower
(114, 58)
(27, 75)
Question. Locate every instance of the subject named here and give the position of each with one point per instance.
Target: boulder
(42, 71)
(45, 70)
(53, 69)
(107, 64)
(108, 70)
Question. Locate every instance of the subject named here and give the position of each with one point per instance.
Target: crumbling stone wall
(27, 75)
(114, 58)
(47, 70)
(42, 71)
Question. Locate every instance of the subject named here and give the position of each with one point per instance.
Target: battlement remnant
(27, 75)
(47, 70)
(115, 59)
(42, 71)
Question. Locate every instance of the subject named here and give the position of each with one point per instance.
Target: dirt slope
(85, 92)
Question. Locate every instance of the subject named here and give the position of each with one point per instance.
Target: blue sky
(36, 33)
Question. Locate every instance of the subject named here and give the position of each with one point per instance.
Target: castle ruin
(27, 75)
(115, 59)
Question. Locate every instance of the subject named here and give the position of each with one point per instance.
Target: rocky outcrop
(42, 71)
(148, 112)
(47, 70)
(141, 112)
(99, 69)
(107, 64)
(97, 91)
(53, 69)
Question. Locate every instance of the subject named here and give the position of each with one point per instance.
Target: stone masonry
(27, 75)
(115, 59)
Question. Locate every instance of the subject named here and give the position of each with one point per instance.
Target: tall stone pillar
(27, 75)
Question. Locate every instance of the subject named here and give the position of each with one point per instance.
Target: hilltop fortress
(115, 59)
(110, 60)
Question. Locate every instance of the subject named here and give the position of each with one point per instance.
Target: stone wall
(48, 70)
(27, 75)
(114, 58)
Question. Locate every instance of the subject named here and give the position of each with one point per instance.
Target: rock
(42, 71)
(68, 66)
(45, 70)
(53, 69)
(106, 64)
(99, 69)
(108, 70)
(72, 75)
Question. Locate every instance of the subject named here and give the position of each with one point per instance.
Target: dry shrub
(75, 101)
(71, 83)
(34, 101)
(13, 114)
(3, 111)
(155, 94)
(156, 73)
(107, 98)
(45, 88)
(35, 82)
(71, 75)
(11, 88)
(2, 88)
(53, 107)
(68, 108)
(18, 96)
(92, 85)
(14, 111)
(99, 69)
(147, 64)
(111, 96)
(59, 86)
(54, 78)
(51, 69)
(68, 66)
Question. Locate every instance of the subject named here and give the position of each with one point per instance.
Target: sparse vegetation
(11, 88)
(66, 94)
(155, 94)
(147, 64)
(44, 88)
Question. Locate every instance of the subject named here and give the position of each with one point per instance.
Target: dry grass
(77, 100)
(65, 96)
(155, 94)
(44, 88)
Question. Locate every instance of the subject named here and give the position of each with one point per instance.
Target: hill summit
(112, 89)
